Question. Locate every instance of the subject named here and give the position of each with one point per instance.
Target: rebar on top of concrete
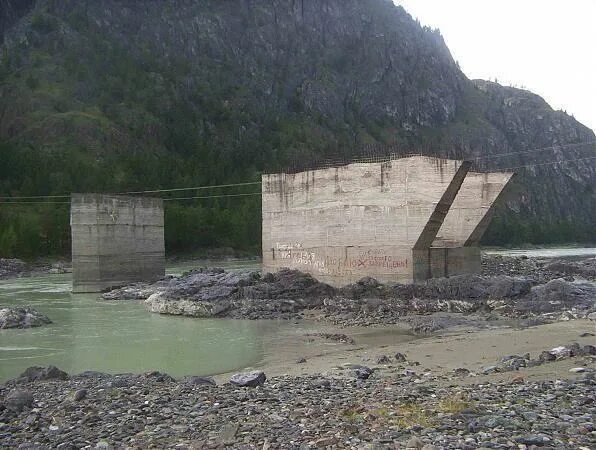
(370, 153)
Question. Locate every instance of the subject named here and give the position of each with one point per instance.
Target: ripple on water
(90, 334)
(12, 349)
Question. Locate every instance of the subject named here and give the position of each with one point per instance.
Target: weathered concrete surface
(455, 250)
(471, 211)
(116, 240)
(446, 262)
(364, 219)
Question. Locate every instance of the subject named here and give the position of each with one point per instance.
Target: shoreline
(434, 398)
(17, 268)
(441, 353)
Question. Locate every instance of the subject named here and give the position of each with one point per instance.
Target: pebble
(301, 411)
(400, 357)
(80, 395)
(18, 399)
(383, 359)
(363, 372)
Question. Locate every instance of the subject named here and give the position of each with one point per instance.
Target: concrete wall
(115, 240)
(341, 224)
(436, 262)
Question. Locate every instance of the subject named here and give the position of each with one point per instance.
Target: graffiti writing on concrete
(377, 258)
(294, 254)
(292, 246)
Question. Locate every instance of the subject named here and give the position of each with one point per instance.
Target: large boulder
(162, 304)
(508, 287)
(248, 379)
(473, 287)
(209, 284)
(38, 373)
(457, 287)
(18, 399)
(22, 317)
(288, 285)
(135, 291)
(366, 287)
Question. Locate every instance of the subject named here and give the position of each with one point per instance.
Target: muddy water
(115, 337)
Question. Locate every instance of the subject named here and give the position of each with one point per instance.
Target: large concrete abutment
(363, 219)
(116, 240)
(404, 220)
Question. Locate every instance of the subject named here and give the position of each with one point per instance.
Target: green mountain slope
(118, 95)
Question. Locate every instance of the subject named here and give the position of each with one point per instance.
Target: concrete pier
(116, 240)
(394, 221)
(363, 219)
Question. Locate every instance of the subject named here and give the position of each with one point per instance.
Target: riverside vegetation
(105, 96)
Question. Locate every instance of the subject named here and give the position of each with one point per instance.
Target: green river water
(122, 336)
(116, 337)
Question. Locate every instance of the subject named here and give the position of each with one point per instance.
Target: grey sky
(546, 46)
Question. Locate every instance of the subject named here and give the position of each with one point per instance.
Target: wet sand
(441, 353)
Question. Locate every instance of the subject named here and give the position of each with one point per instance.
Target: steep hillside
(118, 95)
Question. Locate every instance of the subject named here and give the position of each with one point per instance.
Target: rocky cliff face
(249, 85)
(11, 11)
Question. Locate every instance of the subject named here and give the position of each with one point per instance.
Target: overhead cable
(195, 188)
(211, 196)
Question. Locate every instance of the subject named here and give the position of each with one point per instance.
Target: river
(122, 336)
(115, 337)
(558, 252)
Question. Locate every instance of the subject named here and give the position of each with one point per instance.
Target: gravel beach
(405, 410)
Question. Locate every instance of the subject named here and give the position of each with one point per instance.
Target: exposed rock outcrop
(22, 317)
(39, 373)
(290, 293)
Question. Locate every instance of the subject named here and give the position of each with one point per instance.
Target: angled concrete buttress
(363, 219)
(455, 249)
(116, 240)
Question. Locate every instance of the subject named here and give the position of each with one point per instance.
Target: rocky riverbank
(517, 288)
(10, 267)
(393, 404)
(539, 270)
(499, 387)
(16, 268)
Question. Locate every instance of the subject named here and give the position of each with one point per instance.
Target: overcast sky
(547, 46)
